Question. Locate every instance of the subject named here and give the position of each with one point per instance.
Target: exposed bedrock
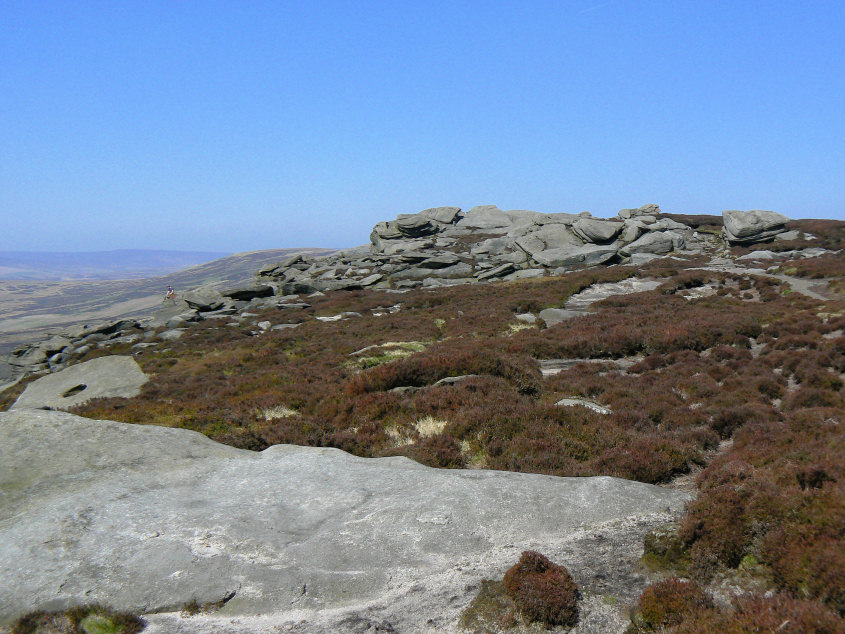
(98, 378)
(147, 518)
(444, 245)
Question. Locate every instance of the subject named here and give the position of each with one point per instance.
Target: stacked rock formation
(748, 227)
(442, 245)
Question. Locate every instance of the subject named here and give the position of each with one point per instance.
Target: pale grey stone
(284, 326)
(387, 231)
(526, 318)
(171, 335)
(746, 227)
(643, 258)
(402, 246)
(514, 257)
(493, 245)
(553, 316)
(451, 380)
(631, 232)
(438, 282)
(443, 215)
(147, 519)
(656, 242)
(440, 261)
(457, 271)
(531, 243)
(582, 402)
(596, 231)
(485, 217)
(760, 255)
(525, 274)
(204, 298)
(678, 241)
(646, 210)
(97, 378)
(794, 234)
(587, 255)
(597, 292)
(371, 279)
(498, 271)
(415, 226)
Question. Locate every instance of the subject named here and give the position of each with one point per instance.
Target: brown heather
(753, 364)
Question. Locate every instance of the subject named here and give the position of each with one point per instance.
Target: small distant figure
(170, 294)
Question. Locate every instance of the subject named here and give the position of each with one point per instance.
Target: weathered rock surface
(658, 243)
(97, 378)
(594, 230)
(747, 227)
(146, 519)
(443, 245)
(246, 293)
(206, 298)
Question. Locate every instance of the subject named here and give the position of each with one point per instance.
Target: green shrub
(89, 619)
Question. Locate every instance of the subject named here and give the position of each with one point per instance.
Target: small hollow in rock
(76, 389)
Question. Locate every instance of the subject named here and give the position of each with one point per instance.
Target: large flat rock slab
(98, 378)
(146, 519)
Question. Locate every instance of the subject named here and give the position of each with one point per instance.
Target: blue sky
(242, 125)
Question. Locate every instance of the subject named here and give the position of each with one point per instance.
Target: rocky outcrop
(748, 227)
(445, 246)
(64, 346)
(147, 519)
(98, 378)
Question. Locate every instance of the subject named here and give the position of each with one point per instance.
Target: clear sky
(246, 125)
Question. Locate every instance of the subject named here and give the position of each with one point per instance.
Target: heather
(733, 377)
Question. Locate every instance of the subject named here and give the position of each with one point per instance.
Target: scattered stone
(97, 378)
(451, 380)
(498, 271)
(171, 335)
(284, 326)
(760, 255)
(554, 316)
(571, 402)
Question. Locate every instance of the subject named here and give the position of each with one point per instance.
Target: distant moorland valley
(40, 291)
(689, 369)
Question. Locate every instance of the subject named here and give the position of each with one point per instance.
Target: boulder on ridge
(747, 227)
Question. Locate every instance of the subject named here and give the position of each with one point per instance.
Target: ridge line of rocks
(435, 247)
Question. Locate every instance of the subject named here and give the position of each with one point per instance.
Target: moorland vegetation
(728, 377)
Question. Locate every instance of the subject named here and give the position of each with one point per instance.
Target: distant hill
(100, 265)
(29, 308)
